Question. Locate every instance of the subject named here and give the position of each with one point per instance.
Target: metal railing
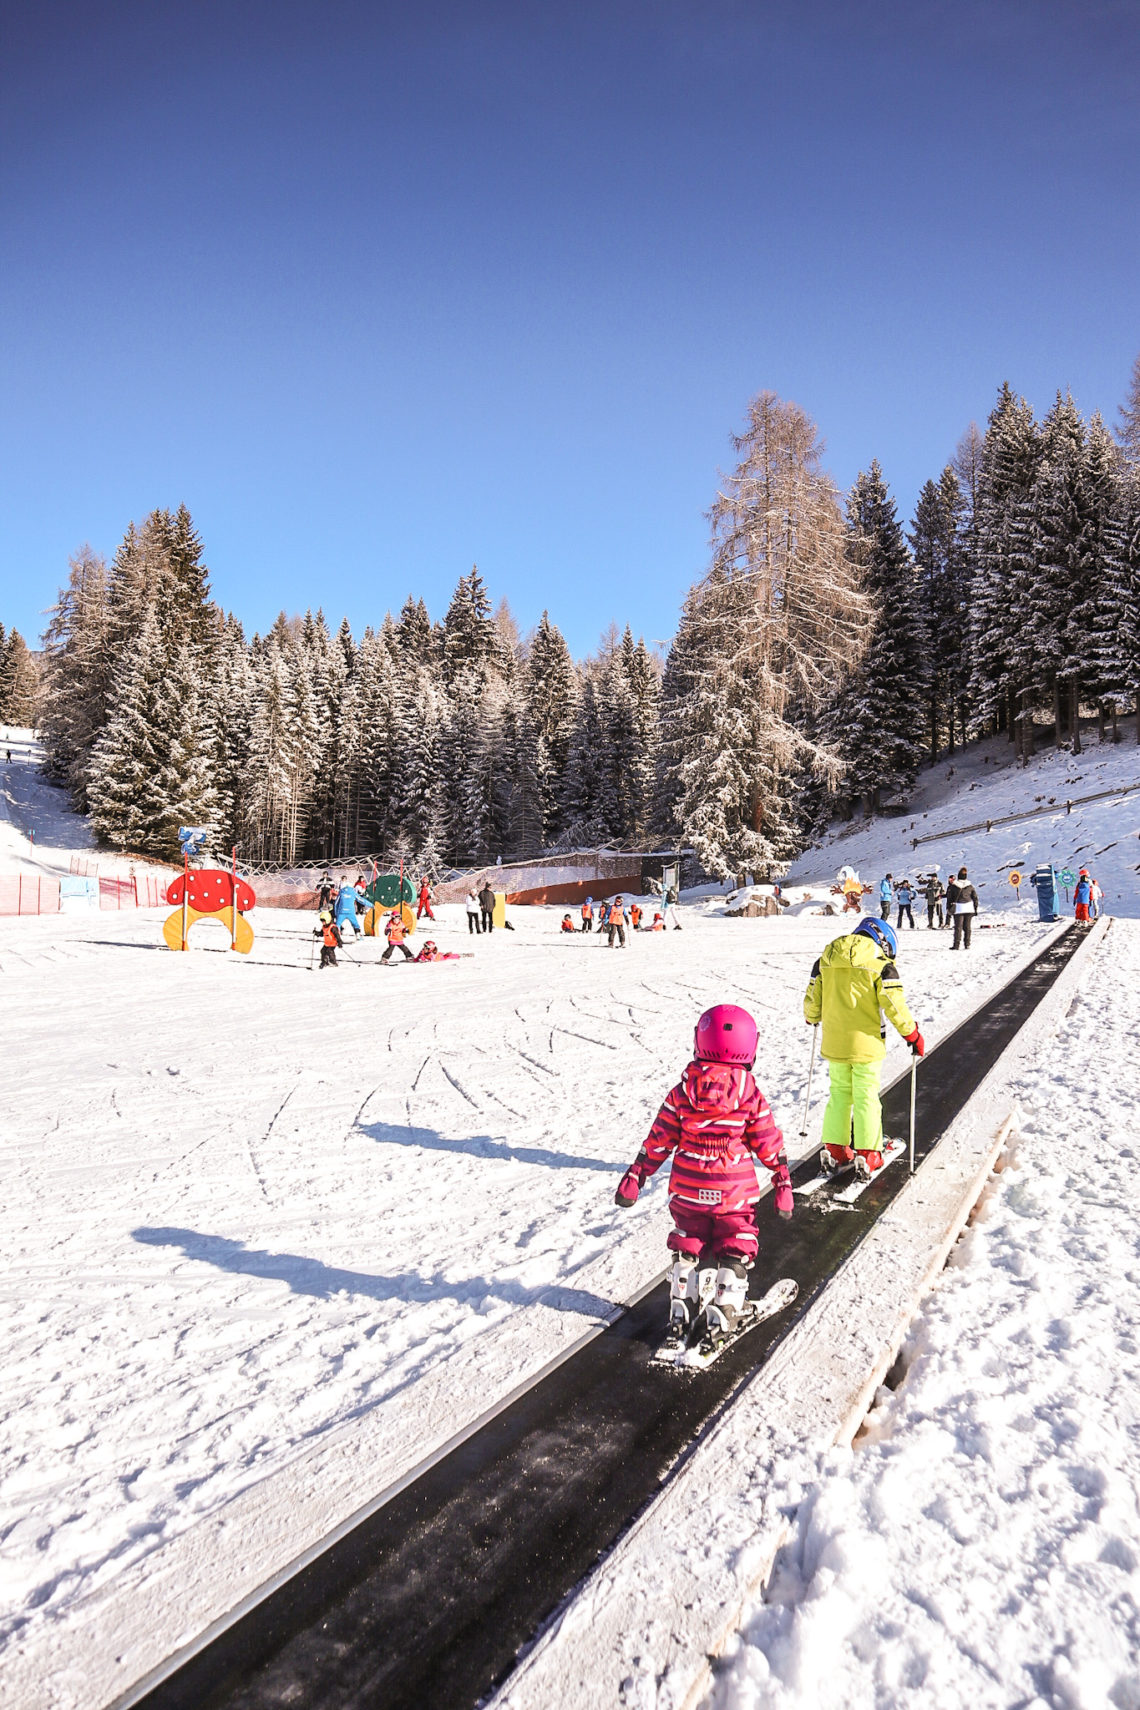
(1053, 807)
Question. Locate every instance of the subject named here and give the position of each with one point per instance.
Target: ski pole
(312, 950)
(913, 1083)
(811, 1071)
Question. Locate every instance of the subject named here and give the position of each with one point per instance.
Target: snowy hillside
(981, 783)
(38, 830)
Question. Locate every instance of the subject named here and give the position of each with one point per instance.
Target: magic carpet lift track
(425, 1603)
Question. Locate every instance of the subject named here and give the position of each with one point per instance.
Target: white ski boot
(723, 1312)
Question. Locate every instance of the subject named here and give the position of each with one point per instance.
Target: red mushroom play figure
(210, 893)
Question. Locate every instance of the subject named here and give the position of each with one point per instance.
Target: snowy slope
(983, 782)
(250, 1207)
(980, 1546)
(38, 830)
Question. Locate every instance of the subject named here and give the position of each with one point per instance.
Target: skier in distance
(718, 1121)
(852, 986)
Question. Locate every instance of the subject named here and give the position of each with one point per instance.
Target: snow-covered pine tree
(466, 807)
(935, 541)
(550, 688)
(180, 789)
(1128, 430)
(583, 811)
(1043, 596)
(1128, 523)
(1100, 616)
(123, 761)
(19, 682)
(1004, 553)
(377, 759)
(643, 678)
(884, 708)
(78, 670)
(190, 616)
(419, 793)
(470, 637)
(417, 638)
(233, 732)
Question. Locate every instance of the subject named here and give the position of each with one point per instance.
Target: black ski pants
(933, 909)
(620, 931)
(328, 956)
(488, 921)
(408, 957)
(473, 924)
(905, 908)
(884, 911)
(962, 925)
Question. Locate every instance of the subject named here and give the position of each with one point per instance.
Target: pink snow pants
(724, 1231)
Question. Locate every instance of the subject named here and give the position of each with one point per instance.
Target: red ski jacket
(717, 1120)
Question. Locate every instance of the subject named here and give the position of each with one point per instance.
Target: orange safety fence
(28, 893)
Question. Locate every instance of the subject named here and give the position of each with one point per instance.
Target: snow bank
(981, 1544)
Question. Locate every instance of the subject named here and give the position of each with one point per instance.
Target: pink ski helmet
(726, 1034)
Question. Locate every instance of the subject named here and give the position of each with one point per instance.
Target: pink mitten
(782, 1183)
(628, 1188)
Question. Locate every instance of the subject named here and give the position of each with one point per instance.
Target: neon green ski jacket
(850, 985)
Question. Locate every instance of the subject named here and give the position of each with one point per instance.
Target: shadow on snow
(324, 1282)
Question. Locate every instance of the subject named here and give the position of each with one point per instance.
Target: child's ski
(702, 1349)
(849, 1192)
(892, 1149)
(825, 1178)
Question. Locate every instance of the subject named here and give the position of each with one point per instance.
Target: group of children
(395, 931)
(718, 1126)
(613, 918)
(1087, 896)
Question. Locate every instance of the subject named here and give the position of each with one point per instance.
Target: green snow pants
(854, 1090)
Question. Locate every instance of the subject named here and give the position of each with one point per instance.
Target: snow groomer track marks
(426, 1602)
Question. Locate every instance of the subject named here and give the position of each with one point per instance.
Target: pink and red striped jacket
(717, 1120)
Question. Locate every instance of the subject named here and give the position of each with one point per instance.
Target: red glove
(629, 1187)
(917, 1043)
(782, 1185)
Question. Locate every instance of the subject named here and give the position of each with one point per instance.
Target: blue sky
(384, 290)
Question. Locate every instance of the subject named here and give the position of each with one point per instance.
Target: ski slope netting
(249, 1204)
(981, 1545)
(986, 784)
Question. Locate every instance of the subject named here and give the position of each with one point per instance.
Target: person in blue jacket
(886, 896)
(346, 907)
(906, 901)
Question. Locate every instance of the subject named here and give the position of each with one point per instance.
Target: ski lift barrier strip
(1061, 805)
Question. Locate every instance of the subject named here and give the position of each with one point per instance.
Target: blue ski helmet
(882, 932)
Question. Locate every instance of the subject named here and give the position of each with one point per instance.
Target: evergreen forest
(825, 654)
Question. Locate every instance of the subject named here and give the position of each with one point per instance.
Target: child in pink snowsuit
(717, 1121)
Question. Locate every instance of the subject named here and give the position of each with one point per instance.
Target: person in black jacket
(965, 908)
(487, 904)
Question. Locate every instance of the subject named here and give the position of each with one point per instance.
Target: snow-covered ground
(983, 782)
(252, 1208)
(248, 1204)
(980, 1545)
